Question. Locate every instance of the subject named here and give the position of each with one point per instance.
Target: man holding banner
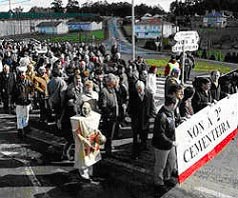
(163, 142)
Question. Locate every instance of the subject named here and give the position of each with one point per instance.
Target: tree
(72, 6)
(57, 5)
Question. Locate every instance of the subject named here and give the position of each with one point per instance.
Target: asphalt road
(29, 168)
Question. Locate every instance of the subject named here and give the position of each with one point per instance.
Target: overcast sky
(27, 4)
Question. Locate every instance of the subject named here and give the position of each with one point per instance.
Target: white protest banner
(205, 134)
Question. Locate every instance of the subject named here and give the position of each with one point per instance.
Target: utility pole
(10, 5)
(162, 35)
(133, 31)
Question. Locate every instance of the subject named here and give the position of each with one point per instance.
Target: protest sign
(205, 134)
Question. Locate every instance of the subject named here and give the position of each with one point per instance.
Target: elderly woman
(87, 139)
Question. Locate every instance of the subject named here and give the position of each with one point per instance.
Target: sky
(27, 4)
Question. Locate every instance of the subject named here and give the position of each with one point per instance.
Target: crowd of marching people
(58, 78)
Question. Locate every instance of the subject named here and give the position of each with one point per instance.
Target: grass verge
(200, 66)
(74, 37)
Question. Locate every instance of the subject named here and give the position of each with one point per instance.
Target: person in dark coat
(72, 106)
(178, 91)
(185, 107)
(22, 98)
(216, 91)
(7, 83)
(163, 141)
(140, 109)
(122, 100)
(56, 89)
(108, 105)
(202, 96)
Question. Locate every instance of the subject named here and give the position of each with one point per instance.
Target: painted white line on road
(212, 192)
(9, 153)
(31, 175)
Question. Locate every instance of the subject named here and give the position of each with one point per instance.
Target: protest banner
(205, 134)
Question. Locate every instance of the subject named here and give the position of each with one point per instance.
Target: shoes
(162, 189)
(21, 134)
(174, 173)
(170, 182)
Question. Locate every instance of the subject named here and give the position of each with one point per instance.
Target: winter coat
(164, 130)
(7, 83)
(201, 100)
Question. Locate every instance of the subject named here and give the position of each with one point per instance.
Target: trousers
(164, 164)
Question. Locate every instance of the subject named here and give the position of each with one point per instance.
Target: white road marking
(9, 153)
(212, 192)
(31, 175)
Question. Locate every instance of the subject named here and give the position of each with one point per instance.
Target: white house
(53, 27)
(153, 28)
(215, 19)
(85, 26)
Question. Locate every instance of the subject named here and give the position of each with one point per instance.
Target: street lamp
(133, 30)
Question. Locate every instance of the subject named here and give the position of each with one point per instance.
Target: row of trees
(102, 8)
(190, 7)
(177, 7)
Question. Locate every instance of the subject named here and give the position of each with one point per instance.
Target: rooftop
(33, 15)
(154, 21)
(49, 24)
